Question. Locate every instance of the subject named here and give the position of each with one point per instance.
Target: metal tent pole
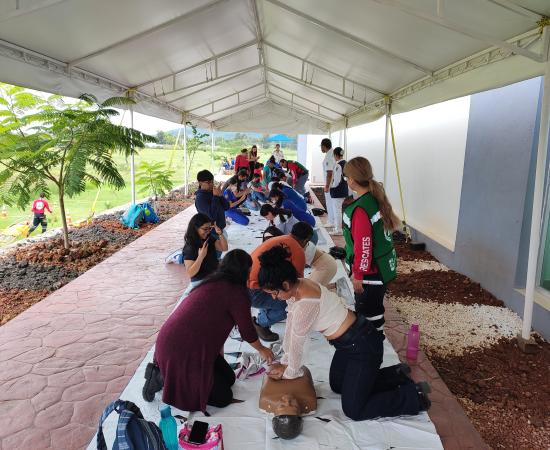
(185, 171)
(132, 162)
(346, 138)
(387, 140)
(538, 195)
(212, 150)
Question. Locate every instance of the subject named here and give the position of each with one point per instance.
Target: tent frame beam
(214, 59)
(209, 80)
(321, 90)
(318, 105)
(147, 32)
(368, 45)
(314, 114)
(444, 22)
(259, 38)
(510, 6)
(18, 12)
(334, 74)
(211, 103)
(245, 102)
(243, 72)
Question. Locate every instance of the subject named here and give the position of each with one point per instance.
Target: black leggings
(39, 219)
(221, 394)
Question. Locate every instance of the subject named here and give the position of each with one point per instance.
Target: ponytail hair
(360, 170)
(276, 268)
(279, 194)
(270, 209)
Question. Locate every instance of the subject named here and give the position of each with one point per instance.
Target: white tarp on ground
(246, 427)
(312, 63)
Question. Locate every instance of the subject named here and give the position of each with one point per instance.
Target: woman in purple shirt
(188, 365)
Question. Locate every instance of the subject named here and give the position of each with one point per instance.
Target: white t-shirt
(328, 163)
(336, 175)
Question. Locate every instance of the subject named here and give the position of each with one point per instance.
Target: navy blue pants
(367, 390)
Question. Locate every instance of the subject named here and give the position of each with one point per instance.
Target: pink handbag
(214, 438)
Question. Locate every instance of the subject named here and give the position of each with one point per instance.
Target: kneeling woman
(367, 390)
(201, 250)
(279, 199)
(187, 352)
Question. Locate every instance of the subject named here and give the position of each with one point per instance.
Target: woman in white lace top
(367, 390)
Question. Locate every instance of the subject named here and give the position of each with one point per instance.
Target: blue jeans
(258, 196)
(271, 310)
(367, 391)
(301, 183)
(237, 216)
(251, 203)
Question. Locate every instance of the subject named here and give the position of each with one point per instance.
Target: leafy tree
(161, 137)
(154, 178)
(196, 142)
(47, 141)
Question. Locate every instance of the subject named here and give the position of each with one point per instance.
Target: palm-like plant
(154, 178)
(44, 141)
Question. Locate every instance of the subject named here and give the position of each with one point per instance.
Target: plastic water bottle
(169, 428)
(413, 341)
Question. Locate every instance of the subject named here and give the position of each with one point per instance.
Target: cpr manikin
(288, 400)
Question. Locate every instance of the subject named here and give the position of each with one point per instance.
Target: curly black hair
(276, 268)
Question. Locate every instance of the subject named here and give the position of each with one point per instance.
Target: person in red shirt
(39, 207)
(299, 174)
(241, 161)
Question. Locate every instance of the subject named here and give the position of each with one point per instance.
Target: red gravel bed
(15, 301)
(442, 287)
(406, 253)
(505, 392)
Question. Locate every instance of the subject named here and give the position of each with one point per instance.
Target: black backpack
(133, 431)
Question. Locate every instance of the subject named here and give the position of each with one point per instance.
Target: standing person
(235, 199)
(252, 160)
(200, 252)
(299, 174)
(187, 364)
(271, 310)
(369, 222)
(367, 390)
(39, 207)
(209, 199)
(278, 153)
(328, 167)
(241, 161)
(338, 190)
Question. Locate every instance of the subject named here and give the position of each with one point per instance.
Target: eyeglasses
(206, 228)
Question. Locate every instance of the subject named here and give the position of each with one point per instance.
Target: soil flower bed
(469, 336)
(32, 270)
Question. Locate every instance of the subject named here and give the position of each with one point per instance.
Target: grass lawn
(79, 207)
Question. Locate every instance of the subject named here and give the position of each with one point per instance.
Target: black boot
(153, 382)
(423, 389)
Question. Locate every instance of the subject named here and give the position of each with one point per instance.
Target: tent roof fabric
(300, 66)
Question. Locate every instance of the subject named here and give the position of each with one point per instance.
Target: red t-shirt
(38, 206)
(241, 162)
(361, 232)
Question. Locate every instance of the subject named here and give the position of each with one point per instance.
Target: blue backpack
(133, 432)
(136, 214)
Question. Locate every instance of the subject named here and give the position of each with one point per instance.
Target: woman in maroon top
(188, 346)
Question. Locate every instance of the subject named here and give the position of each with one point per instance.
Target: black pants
(39, 219)
(221, 394)
(367, 391)
(370, 303)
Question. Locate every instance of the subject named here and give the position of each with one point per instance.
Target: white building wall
(431, 144)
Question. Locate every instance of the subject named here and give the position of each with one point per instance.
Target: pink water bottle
(413, 341)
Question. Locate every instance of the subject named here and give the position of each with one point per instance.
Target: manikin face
(288, 406)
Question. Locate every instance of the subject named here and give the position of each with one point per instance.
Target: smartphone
(198, 432)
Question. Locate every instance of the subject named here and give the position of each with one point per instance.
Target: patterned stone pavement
(64, 359)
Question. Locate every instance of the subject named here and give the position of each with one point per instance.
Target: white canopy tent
(300, 66)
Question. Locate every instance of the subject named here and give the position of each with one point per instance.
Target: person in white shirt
(278, 153)
(338, 190)
(367, 390)
(328, 168)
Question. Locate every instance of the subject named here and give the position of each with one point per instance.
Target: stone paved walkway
(64, 359)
